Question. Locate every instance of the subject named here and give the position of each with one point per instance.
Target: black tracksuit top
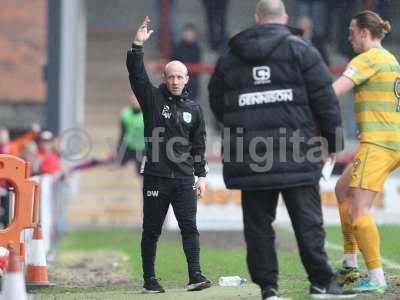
(174, 127)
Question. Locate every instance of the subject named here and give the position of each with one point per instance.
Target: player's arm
(358, 71)
(342, 85)
(322, 99)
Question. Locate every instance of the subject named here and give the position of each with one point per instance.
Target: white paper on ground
(328, 168)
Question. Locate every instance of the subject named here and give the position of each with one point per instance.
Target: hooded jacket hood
(184, 96)
(257, 43)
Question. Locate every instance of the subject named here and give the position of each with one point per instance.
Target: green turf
(171, 265)
(390, 241)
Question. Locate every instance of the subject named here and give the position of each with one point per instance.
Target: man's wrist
(137, 43)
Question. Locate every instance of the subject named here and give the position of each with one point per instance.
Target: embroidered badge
(187, 117)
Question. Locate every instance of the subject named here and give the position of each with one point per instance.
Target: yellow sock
(349, 241)
(368, 240)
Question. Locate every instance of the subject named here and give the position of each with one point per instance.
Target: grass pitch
(215, 261)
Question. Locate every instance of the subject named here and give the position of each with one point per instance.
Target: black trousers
(216, 11)
(158, 194)
(304, 208)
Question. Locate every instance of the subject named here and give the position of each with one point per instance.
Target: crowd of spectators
(35, 146)
(323, 22)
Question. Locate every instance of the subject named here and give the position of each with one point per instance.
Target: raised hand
(143, 33)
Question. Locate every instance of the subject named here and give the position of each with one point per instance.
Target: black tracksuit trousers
(304, 208)
(158, 194)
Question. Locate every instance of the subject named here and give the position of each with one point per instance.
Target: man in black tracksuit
(272, 92)
(175, 135)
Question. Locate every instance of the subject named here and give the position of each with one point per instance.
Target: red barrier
(165, 30)
(17, 172)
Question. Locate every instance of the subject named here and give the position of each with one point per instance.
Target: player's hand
(330, 157)
(200, 187)
(143, 33)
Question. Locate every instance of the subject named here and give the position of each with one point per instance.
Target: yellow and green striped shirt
(376, 76)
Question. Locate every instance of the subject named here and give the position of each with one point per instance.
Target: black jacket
(268, 88)
(174, 127)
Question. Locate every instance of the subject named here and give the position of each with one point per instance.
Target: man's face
(175, 77)
(46, 146)
(189, 35)
(356, 36)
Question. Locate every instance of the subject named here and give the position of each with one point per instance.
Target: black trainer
(151, 286)
(270, 293)
(332, 291)
(198, 282)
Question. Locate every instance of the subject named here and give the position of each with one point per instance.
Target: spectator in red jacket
(49, 157)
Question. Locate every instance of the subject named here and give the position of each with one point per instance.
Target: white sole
(198, 286)
(146, 291)
(331, 296)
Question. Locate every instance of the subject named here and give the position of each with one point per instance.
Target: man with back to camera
(272, 92)
(175, 137)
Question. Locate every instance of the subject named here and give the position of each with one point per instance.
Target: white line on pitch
(389, 263)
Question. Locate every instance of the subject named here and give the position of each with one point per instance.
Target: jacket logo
(261, 75)
(166, 113)
(265, 97)
(187, 117)
(152, 193)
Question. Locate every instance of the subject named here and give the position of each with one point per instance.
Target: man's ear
(286, 19)
(364, 33)
(163, 77)
(187, 79)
